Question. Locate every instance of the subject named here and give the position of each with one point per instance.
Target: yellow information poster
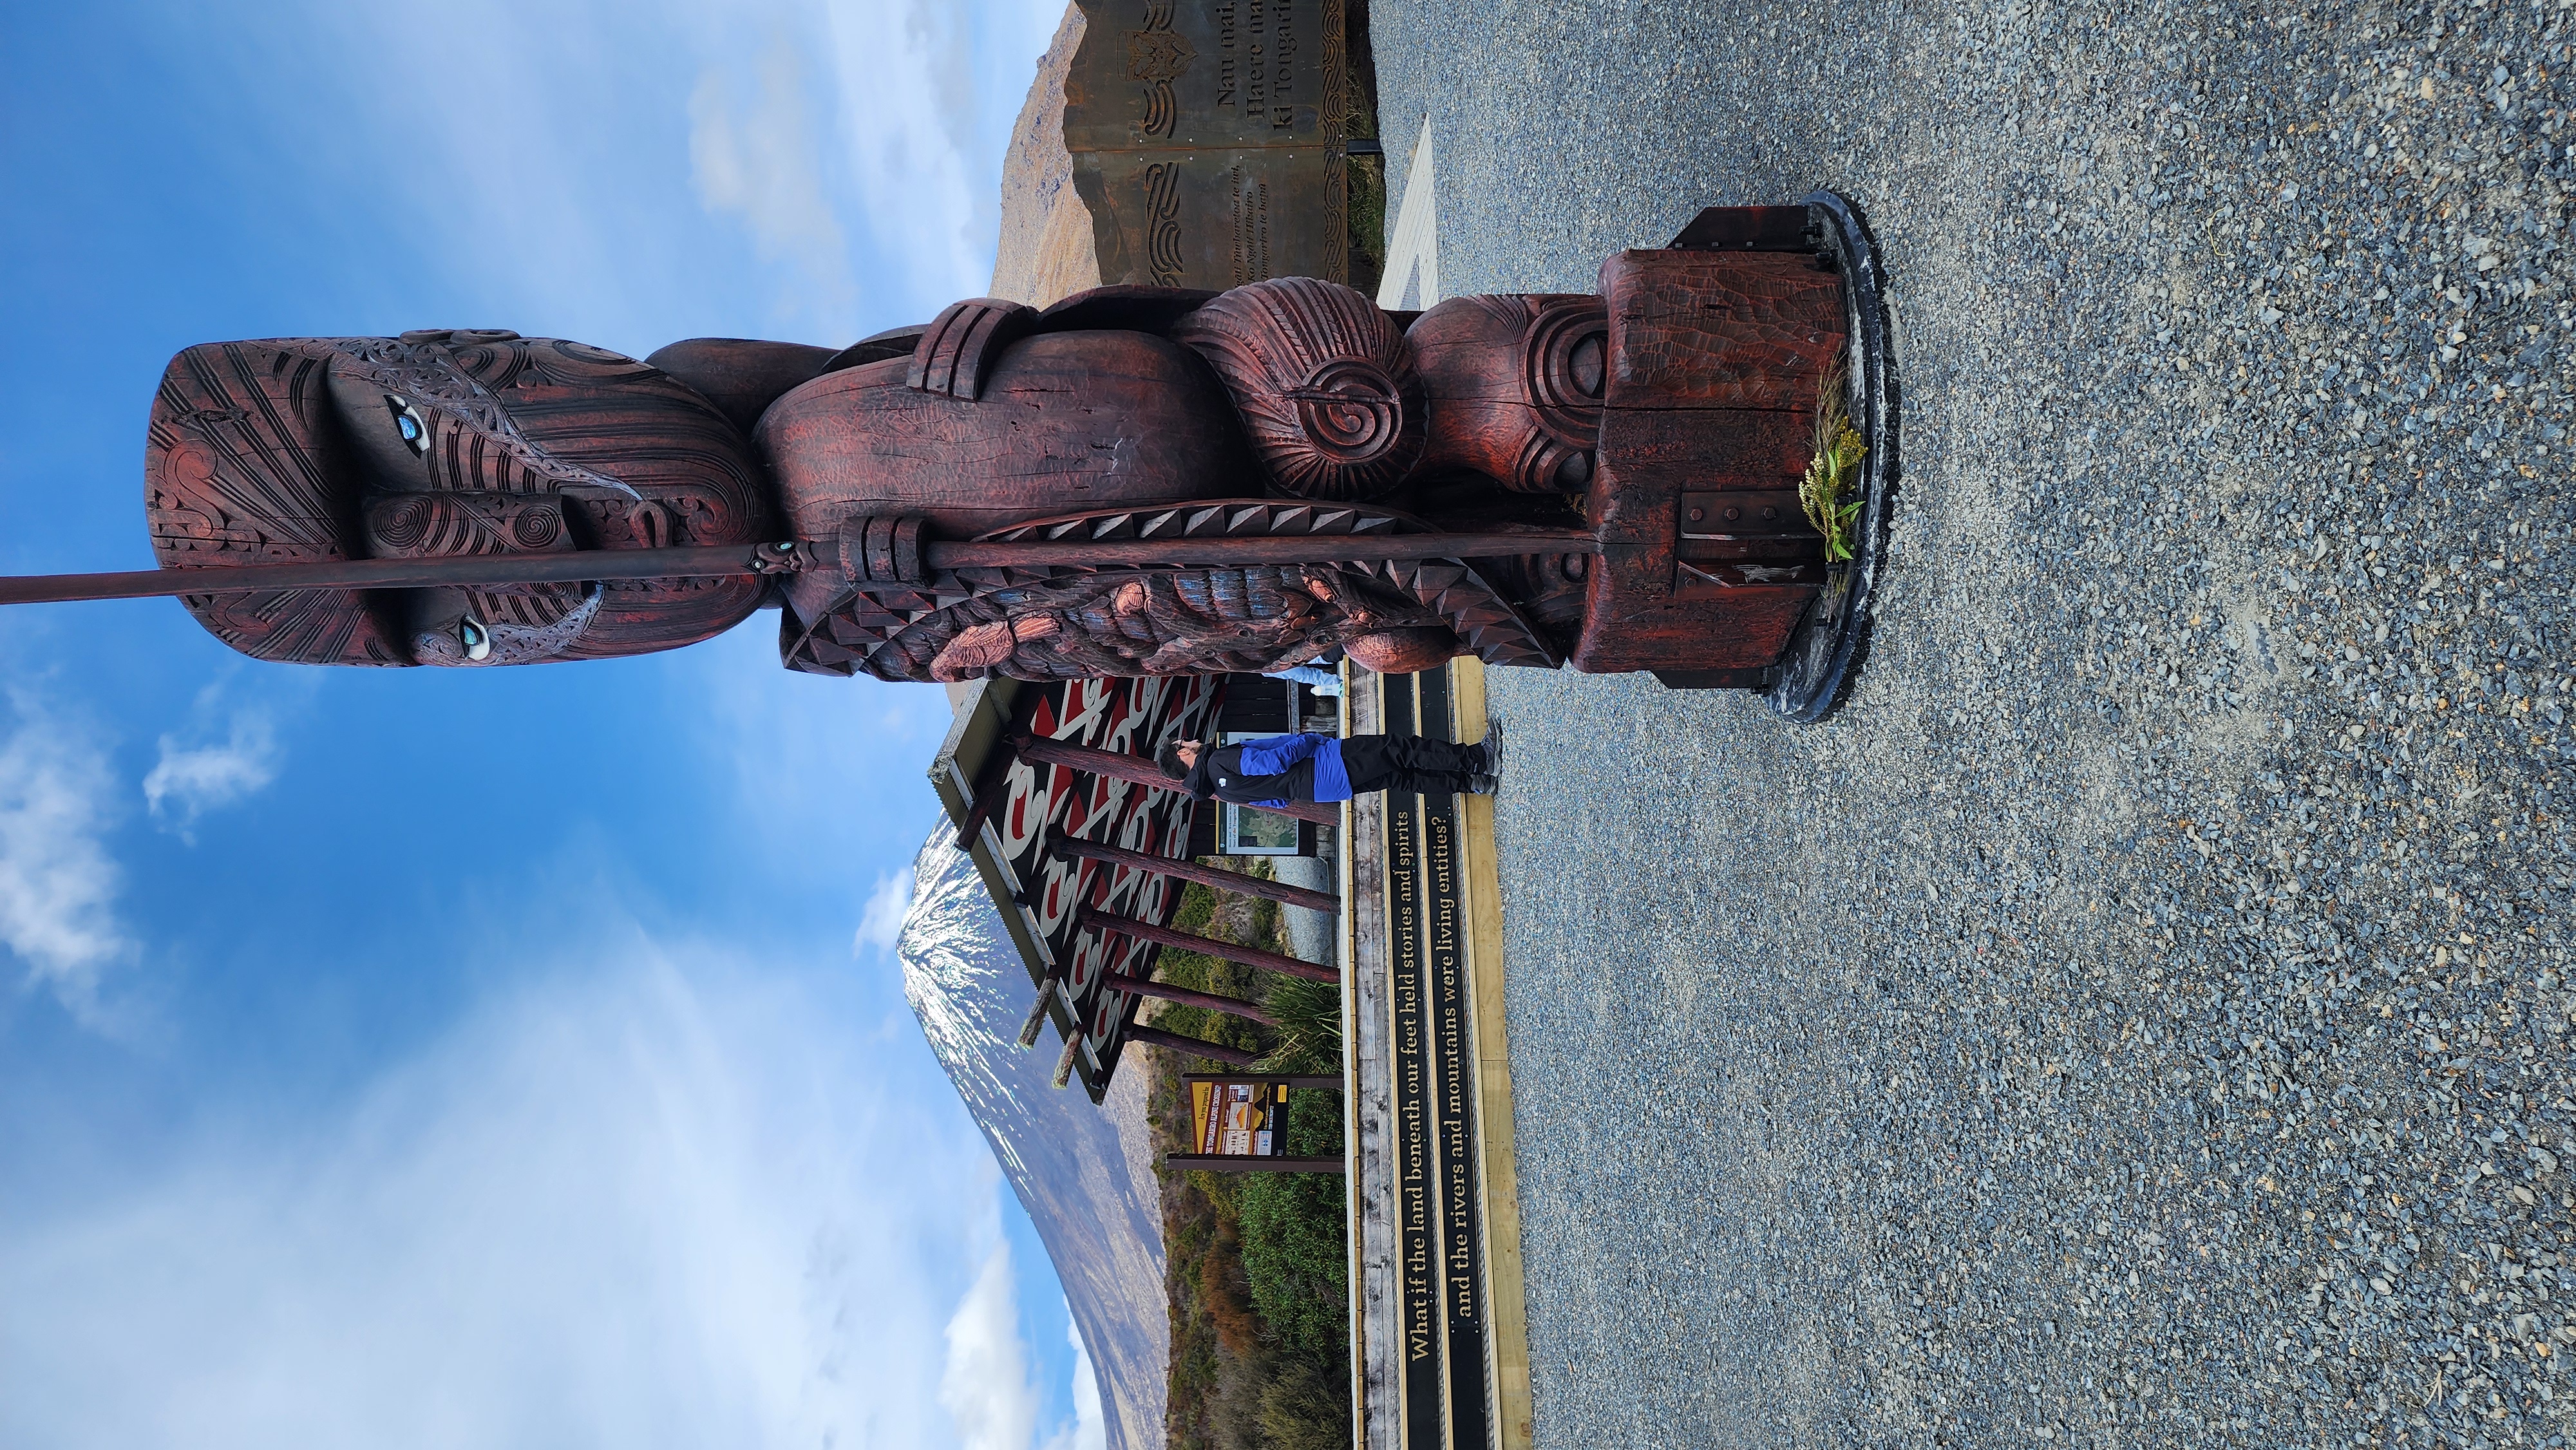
(1239, 1119)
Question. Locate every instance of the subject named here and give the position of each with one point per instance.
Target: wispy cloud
(640, 1203)
(985, 1387)
(196, 774)
(923, 148)
(1087, 1430)
(882, 924)
(58, 884)
(760, 161)
(855, 145)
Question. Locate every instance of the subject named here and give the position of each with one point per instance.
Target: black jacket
(1219, 776)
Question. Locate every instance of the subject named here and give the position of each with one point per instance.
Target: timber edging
(1439, 1331)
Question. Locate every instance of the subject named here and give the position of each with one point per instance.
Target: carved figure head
(1515, 385)
(435, 445)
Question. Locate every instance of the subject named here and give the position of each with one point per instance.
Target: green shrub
(1256, 1265)
(1307, 1404)
(1294, 1237)
(1310, 1025)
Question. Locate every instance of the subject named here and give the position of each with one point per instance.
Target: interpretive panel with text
(1441, 1359)
(1239, 1117)
(1207, 140)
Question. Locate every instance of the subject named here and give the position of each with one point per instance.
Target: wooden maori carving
(1515, 385)
(1136, 481)
(1324, 383)
(1716, 364)
(446, 444)
(1080, 621)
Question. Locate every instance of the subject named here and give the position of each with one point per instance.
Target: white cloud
(1087, 1430)
(496, 154)
(927, 175)
(985, 1387)
(193, 778)
(631, 1205)
(883, 922)
(58, 885)
(578, 177)
(759, 161)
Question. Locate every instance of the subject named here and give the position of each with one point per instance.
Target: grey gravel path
(2138, 1018)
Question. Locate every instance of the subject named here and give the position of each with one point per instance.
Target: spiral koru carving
(536, 528)
(1323, 381)
(1564, 357)
(404, 523)
(1350, 410)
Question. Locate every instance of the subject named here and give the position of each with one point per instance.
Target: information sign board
(1239, 1117)
(1207, 139)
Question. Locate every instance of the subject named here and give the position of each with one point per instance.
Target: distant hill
(1084, 1172)
(1046, 251)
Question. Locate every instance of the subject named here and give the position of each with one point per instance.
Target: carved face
(1515, 385)
(460, 627)
(437, 445)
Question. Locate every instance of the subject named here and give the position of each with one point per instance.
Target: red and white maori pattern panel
(1047, 803)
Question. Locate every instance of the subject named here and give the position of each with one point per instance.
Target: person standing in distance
(1327, 768)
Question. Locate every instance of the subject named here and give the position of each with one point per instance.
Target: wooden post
(1218, 877)
(1064, 1064)
(784, 557)
(1209, 946)
(1141, 771)
(1231, 1006)
(997, 766)
(468, 571)
(1030, 1029)
(1194, 1046)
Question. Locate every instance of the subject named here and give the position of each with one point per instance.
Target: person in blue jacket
(1286, 768)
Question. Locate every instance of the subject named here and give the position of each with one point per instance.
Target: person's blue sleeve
(1332, 778)
(1274, 755)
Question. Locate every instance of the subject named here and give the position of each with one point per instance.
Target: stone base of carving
(1826, 650)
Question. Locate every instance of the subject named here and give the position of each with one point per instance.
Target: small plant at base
(1834, 474)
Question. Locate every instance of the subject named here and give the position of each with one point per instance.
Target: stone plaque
(1207, 140)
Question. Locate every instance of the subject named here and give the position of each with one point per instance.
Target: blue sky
(496, 1058)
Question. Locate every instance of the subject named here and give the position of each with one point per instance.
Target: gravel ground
(2139, 1016)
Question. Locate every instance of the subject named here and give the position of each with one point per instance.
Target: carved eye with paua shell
(409, 423)
(454, 627)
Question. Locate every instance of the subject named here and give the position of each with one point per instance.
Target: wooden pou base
(1719, 348)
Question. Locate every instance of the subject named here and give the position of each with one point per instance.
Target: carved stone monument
(1684, 474)
(1207, 139)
